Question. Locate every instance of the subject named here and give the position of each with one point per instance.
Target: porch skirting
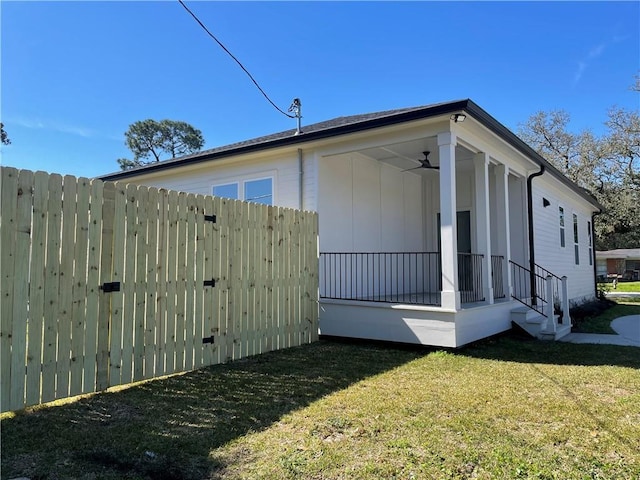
(416, 324)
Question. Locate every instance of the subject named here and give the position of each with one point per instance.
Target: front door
(463, 236)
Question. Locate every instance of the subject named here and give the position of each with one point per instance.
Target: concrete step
(561, 331)
(535, 324)
(525, 314)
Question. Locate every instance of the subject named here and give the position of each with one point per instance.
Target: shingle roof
(313, 128)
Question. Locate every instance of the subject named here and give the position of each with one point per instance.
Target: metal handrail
(535, 296)
(389, 277)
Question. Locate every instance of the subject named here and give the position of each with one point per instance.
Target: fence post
(566, 319)
(548, 312)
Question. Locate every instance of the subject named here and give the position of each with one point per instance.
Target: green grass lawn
(628, 287)
(501, 409)
(601, 323)
(622, 287)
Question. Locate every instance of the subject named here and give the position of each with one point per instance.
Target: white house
(437, 224)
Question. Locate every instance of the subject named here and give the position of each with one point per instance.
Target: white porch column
(483, 227)
(504, 231)
(450, 296)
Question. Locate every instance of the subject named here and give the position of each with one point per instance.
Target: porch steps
(535, 324)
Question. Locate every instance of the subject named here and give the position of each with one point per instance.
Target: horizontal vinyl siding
(548, 252)
(285, 173)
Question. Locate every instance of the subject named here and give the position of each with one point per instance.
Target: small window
(259, 191)
(576, 245)
(229, 190)
(561, 212)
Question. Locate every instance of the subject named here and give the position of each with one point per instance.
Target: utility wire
(236, 60)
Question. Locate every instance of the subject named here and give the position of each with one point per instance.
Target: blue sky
(75, 75)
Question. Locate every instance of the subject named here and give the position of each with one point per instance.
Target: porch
(418, 230)
(396, 296)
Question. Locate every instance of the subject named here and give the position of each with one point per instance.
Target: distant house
(437, 224)
(622, 263)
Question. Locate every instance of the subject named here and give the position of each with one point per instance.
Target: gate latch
(109, 287)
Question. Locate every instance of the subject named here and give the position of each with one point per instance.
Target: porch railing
(497, 278)
(391, 277)
(470, 277)
(397, 277)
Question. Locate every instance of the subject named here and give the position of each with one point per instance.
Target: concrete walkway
(627, 333)
(622, 295)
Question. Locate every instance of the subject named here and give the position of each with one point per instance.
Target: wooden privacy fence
(108, 283)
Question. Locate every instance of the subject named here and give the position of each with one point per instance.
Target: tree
(149, 139)
(4, 138)
(608, 166)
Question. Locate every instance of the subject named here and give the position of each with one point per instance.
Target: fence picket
(172, 275)
(190, 286)
(92, 360)
(128, 288)
(65, 299)
(151, 292)
(21, 288)
(8, 197)
(198, 312)
(210, 239)
(235, 256)
(106, 263)
(51, 292)
(245, 253)
(181, 282)
(271, 301)
(36, 287)
(160, 349)
(141, 287)
(78, 285)
(220, 272)
(252, 260)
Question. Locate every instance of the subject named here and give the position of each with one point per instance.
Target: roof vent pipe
(296, 108)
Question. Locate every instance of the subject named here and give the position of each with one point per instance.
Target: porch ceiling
(407, 155)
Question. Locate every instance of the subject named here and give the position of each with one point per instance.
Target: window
(561, 211)
(255, 190)
(589, 236)
(229, 190)
(575, 238)
(259, 191)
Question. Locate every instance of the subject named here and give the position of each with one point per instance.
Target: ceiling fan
(424, 163)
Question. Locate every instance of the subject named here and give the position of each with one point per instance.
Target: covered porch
(413, 247)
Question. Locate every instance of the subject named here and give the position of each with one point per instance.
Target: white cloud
(56, 126)
(594, 53)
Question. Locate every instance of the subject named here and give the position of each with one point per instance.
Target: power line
(236, 60)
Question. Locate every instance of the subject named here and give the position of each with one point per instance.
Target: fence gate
(106, 283)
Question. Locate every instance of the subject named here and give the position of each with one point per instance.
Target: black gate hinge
(109, 287)
(210, 218)
(208, 339)
(210, 283)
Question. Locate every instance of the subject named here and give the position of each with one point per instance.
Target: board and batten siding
(367, 206)
(549, 253)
